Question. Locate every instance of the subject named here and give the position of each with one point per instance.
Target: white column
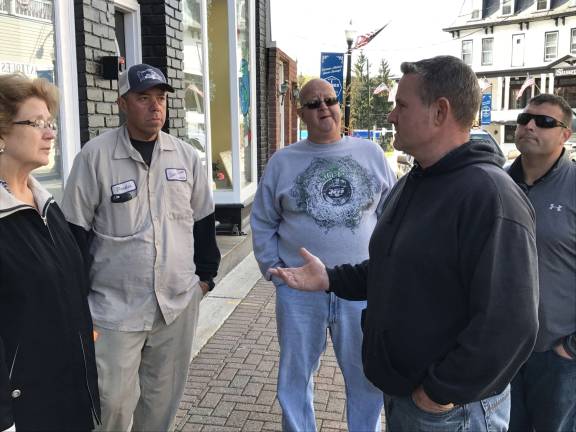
(506, 93)
(543, 83)
(498, 96)
(551, 83)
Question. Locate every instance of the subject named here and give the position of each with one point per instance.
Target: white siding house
(508, 42)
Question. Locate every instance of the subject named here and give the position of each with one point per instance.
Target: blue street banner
(486, 109)
(332, 70)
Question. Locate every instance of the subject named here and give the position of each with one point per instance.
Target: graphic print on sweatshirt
(335, 191)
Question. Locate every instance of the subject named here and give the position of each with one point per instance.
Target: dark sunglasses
(541, 120)
(329, 101)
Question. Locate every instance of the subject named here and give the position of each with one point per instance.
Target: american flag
(382, 87)
(366, 38)
(529, 82)
(484, 84)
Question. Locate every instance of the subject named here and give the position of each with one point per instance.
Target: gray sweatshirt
(324, 197)
(554, 199)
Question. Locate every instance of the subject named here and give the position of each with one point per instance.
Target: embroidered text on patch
(176, 174)
(127, 186)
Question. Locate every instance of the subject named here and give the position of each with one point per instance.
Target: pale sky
(305, 28)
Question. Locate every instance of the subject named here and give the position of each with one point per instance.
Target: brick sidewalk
(232, 381)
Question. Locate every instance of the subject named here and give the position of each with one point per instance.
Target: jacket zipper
(92, 406)
(44, 217)
(13, 362)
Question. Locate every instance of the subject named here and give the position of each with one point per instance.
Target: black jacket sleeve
(6, 417)
(349, 281)
(206, 252)
(83, 239)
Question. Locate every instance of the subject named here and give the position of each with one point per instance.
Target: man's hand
(204, 287)
(559, 349)
(312, 276)
(423, 402)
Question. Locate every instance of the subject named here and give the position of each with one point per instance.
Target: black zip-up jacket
(48, 377)
(451, 283)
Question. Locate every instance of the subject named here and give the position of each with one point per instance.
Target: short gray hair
(449, 77)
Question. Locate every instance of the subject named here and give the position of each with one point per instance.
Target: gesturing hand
(312, 276)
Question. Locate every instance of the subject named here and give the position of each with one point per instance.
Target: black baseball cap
(142, 77)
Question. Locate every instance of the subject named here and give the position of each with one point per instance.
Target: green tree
(367, 109)
(359, 97)
(303, 79)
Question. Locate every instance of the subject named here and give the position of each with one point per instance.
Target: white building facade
(510, 42)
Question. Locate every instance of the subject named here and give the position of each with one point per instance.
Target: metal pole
(368, 80)
(347, 93)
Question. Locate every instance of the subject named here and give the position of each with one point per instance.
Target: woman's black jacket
(48, 375)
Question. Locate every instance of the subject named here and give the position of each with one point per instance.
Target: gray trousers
(142, 374)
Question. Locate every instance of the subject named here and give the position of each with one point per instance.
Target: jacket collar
(517, 172)
(124, 148)
(9, 204)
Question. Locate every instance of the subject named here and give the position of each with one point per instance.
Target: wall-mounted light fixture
(295, 91)
(283, 89)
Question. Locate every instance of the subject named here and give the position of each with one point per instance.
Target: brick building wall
(163, 47)
(95, 39)
(262, 152)
(278, 59)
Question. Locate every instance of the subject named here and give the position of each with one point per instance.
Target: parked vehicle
(405, 161)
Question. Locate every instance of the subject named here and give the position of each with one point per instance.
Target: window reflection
(193, 78)
(245, 115)
(29, 26)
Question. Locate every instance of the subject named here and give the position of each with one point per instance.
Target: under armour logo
(558, 208)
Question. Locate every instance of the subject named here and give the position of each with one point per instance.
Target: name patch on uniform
(176, 174)
(127, 186)
(123, 192)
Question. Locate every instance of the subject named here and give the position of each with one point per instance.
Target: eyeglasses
(329, 101)
(40, 124)
(541, 120)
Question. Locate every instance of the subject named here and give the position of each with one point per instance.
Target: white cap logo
(149, 74)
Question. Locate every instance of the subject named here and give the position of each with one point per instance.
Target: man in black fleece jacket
(451, 282)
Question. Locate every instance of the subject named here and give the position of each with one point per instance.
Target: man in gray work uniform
(140, 203)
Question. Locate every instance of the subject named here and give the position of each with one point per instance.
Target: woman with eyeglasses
(48, 375)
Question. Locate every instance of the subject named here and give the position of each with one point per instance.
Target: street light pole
(350, 33)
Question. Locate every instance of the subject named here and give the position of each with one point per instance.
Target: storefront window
(244, 89)
(29, 26)
(194, 77)
(219, 72)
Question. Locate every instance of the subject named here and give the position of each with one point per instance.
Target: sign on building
(332, 70)
(486, 109)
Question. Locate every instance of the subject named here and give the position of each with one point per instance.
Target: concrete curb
(217, 306)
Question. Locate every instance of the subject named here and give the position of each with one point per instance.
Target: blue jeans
(544, 394)
(302, 319)
(488, 415)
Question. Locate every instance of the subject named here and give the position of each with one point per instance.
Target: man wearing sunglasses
(324, 192)
(451, 282)
(544, 391)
